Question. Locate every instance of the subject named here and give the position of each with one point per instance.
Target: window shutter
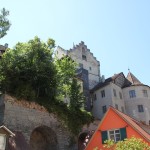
(104, 136)
(123, 133)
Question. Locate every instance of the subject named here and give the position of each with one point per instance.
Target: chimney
(103, 78)
(6, 45)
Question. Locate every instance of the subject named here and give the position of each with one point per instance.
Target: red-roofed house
(117, 126)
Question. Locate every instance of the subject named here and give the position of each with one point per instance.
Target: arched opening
(81, 140)
(43, 138)
(84, 138)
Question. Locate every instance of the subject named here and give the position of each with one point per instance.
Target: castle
(126, 94)
(34, 123)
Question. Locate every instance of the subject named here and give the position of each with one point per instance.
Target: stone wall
(25, 117)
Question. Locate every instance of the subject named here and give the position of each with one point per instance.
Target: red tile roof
(133, 123)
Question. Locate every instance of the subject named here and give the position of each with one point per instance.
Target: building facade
(126, 94)
(88, 67)
(85, 59)
(117, 126)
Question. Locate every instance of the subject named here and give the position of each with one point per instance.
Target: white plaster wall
(91, 62)
(60, 52)
(117, 100)
(97, 104)
(131, 103)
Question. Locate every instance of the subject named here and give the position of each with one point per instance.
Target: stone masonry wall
(25, 117)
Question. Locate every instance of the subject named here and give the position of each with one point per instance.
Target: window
(132, 93)
(90, 68)
(83, 50)
(140, 108)
(114, 91)
(122, 109)
(91, 102)
(84, 57)
(114, 135)
(103, 93)
(95, 97)
(145, 94)
(120, 95)
(104, 109)
(116, 106)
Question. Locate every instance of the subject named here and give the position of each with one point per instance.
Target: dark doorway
(43, 138)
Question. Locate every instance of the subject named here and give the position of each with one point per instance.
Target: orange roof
(133, 123)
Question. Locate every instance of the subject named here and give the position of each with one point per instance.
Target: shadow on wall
(2, 108)
(17, 142)
(43, 138)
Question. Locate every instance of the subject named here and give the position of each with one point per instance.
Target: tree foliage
(65, 73)
(128, 144)
(77, 98)
(4, 22)
(68, 87)
(28, 72)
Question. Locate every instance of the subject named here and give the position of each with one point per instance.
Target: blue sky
(117, 32)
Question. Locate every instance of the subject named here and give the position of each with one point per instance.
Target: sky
(117, 32)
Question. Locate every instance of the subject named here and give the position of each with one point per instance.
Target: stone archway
(81, 140)
(43, 138)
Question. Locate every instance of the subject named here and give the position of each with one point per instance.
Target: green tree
(4, 22)
(27, 71)
(77, 98)
(66, 68)
(73, 113)
(128, 144)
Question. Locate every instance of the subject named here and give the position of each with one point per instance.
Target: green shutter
(104, 136)
(123, 133)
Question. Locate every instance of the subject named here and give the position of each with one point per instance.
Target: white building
(128, 95)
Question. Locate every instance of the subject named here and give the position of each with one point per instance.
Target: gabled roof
(133, 79)
(136, 125)
(113, 80)
(130, 80)
(133, 123)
